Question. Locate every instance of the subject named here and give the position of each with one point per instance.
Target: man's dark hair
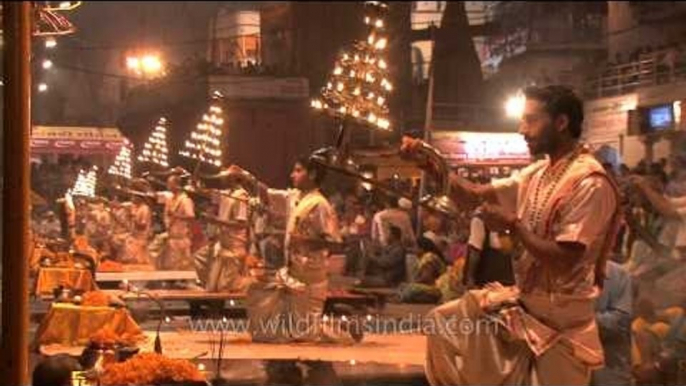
(560, 100)
(426, 245)
(55, 371)
(316, 170)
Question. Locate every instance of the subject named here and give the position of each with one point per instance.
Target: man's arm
(559, 254)
(463, 191)
(658, 201)
(477, 238)
(582, 220)
(250, 180)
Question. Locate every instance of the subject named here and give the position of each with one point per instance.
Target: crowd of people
(651, 250)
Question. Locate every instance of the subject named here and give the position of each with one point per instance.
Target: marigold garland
(150, 369)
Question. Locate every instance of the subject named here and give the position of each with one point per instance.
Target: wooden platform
(338, 301)
(398, 349)
(145, 276)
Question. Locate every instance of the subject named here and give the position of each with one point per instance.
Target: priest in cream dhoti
(98, 225)
(222, 264)
(121, 226)
(172, 250)
(563, 211)
(136, 245)
(289, 306)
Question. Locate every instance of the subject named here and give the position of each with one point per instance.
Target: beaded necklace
(546, 185)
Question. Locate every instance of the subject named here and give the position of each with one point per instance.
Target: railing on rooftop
(657, 68)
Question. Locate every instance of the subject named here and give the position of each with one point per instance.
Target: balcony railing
(658, 68)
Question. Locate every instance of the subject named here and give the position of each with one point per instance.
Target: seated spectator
(392, 216)
(55, 371)
(659, 343)
(613, 314)
(430, 267)
(386, 268)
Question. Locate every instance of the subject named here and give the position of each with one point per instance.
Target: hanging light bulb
(379, 23)
(380, 101)
(338, 71)
(339, 87)
(357, 91)
(352, 73)
(382, 64)
(370, 95)
(367, 20)
(383, 123)
(342, 109)
(371, 118)
(381, 44)
(355, 113)
(50, 42)
(370, 39)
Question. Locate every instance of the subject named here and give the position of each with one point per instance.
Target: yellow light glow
(50, 43)
(381, 44)
(151, 63)
(132, 63)
(514, 107)
(383, 123)
(47, 64)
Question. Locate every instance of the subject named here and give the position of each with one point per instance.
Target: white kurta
(136, 249)
(176, 251)
(221, 265)
(296, 296)
(121, 229)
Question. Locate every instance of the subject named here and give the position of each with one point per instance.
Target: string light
(50, 43)
(122, 163)
(42, 87)
(155, 149)
(358, 86)
(47, 64)
(204, 144)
